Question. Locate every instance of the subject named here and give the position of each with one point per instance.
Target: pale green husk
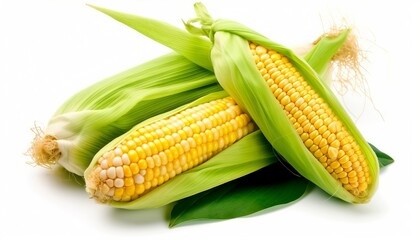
(327, 46)
(248, 155)
(238, 75)
(95, 116)
(194, 48)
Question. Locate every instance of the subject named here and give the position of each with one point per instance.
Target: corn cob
(314, 121)
(153, 153)
(294, 109)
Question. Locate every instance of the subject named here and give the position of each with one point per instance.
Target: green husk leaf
(247, 155)
(327, 46)
(236, 72)
(271, 186)
(193, 47)
(384, 159)
(95, 116)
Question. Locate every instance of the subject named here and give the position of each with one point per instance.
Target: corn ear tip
(44, 149)
(92, 188)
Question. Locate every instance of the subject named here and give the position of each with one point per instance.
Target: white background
(49, 50)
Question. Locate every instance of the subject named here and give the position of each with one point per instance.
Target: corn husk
(95, 116)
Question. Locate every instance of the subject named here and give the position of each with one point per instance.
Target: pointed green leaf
(268, 187)
(384, 159)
